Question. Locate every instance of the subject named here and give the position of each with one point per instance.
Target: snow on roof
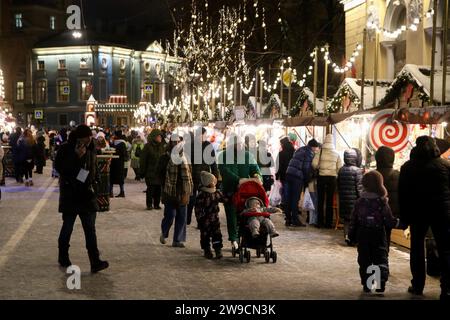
(421, 75)
(382, 87)
(319, 102)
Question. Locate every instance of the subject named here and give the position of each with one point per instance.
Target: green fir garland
(295, 110)
(336, 103)
(395, 90)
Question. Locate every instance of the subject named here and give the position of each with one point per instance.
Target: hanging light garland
(396, 33)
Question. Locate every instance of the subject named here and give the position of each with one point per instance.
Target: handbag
(314, 173)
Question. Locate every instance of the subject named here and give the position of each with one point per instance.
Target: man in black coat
(424, 201)
(15, 156)
(284, 157)
(76, 165)
(385, 158)
(200, 161)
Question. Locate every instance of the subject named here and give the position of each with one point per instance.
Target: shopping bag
(307, 204)
(275, 194)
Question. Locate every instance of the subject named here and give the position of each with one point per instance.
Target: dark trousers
(27, 169)
(137, 173)
(441, 232)
(191, 205)
(88, 223)
(372, 250)
(210, 232)
(153, 197)
(39, 168)
(18, 171)
(292, 191)
(326, 186)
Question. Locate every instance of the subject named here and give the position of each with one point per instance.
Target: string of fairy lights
(216, 51)
(398, 32)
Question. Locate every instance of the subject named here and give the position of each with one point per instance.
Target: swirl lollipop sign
(382, 132)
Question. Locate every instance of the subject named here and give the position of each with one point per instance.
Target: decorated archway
(395, 19)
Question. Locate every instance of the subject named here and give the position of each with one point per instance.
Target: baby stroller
(246, 241)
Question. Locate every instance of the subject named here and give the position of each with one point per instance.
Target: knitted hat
(207, 179)
(292, 136)
(247, 202)
(372, 181)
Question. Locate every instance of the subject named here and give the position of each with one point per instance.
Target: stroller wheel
(241, 256)
(258, 253)
(267, 256)
(247, 255)
(274, 256)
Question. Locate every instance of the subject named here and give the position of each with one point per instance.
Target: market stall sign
(385, 131)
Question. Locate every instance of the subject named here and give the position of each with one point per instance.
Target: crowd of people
(371, 202)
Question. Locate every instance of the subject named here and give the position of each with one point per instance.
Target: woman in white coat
(328, 162)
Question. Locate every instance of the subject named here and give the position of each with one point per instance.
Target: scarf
(208, 190)
(178, 182)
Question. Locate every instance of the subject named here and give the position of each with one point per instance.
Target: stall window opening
(19, 22)
(20, 91)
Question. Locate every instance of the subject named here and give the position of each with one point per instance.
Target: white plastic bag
(307, 204)
(275, 194)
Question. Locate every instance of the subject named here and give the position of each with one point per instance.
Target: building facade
(405, 35)
(22, 24)
(66, 72)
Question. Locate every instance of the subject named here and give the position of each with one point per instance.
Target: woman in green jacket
(236, 166)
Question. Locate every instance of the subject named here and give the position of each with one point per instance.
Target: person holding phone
(76, 165)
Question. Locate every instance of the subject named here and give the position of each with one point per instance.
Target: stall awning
(306, 121)
(428, 115)
(333, 118)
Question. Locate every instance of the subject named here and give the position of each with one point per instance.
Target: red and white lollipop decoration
(382, 132)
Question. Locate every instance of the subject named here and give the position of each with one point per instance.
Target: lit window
(62, 64)
(84, 90)
(63, 90)
(41, 91)
(52, 23)
(41, 65)
(20, 91)
(18, 18)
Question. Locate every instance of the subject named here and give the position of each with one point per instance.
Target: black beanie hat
(82, 131)
(313, 143)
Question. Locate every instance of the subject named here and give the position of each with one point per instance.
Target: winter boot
(218, 253)
(208, 254)
(97, 264)
(63, 257)
(121, 195)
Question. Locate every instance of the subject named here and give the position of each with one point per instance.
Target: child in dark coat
(370, 218)
(207, 214)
